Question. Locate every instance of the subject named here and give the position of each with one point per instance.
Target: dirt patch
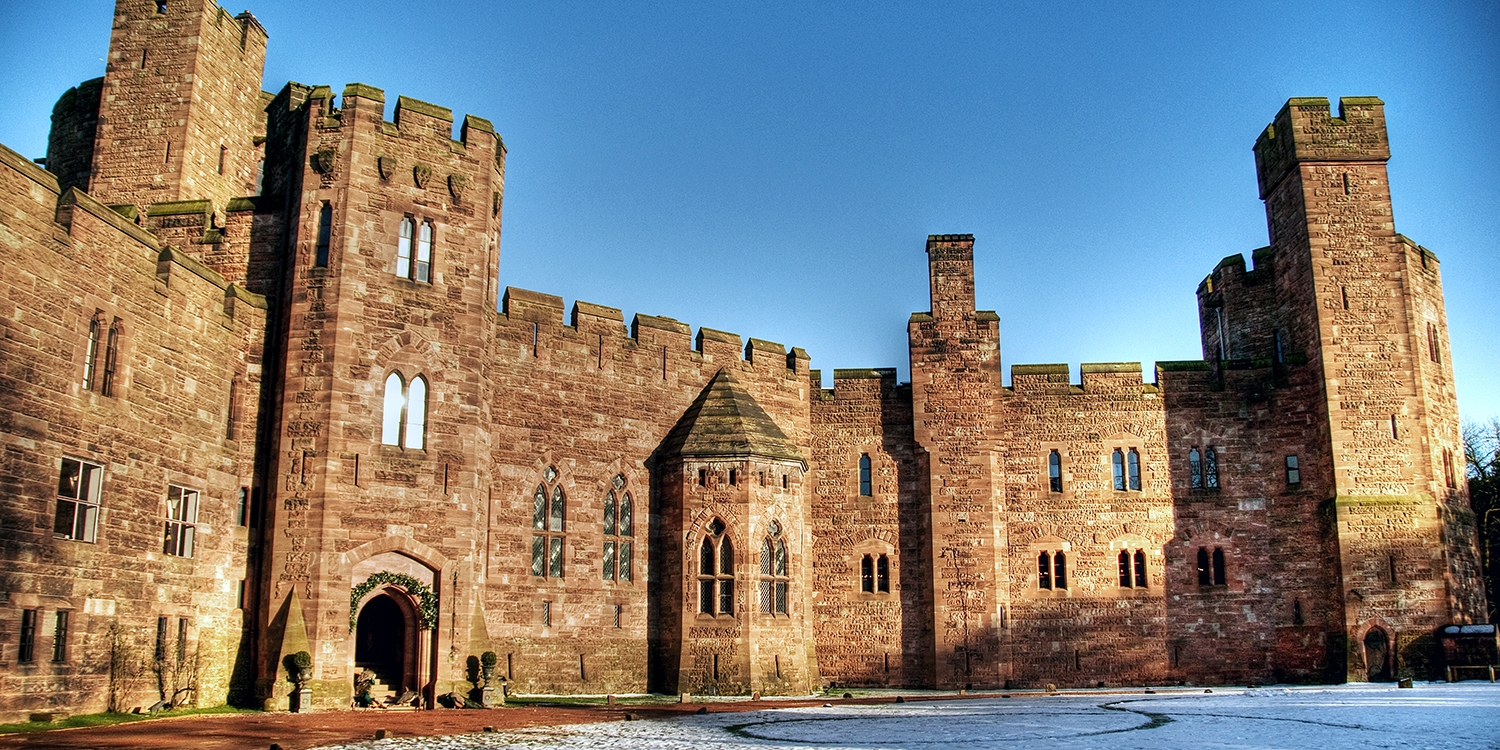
(301, 731)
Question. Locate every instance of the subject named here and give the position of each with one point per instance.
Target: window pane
(62, 523)
(726, 597)
(726, 558)
(1203, 572)
(555, 557)
(169, 541)
(609, 513)
(1211, 469)
(1135, 469)
(1124, 568)
(864, 475)
(424, 254)
(390, 425)
(539, 508)
(416, 414)
(1054, 471)
(867, 574)
(1044, 571)
(626, 527)
(781, 587)
(1118, 461)
(538, 555)
(1195, 469)
(68, 479)
(1140, 569)
(706, 558)
(403, 249)
(626, 574)
(781, 558)
(555, 521)
(89, 491)
(1060, 570)
(706, 596)
(1220, 576)
(609, 561)
(766, 601)
(186, 545)
(765, 558)
(883, 574)
(87, 523)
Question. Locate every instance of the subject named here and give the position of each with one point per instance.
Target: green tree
(1482, 460)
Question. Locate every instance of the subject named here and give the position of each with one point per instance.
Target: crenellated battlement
(1305, 131)
(653, 332)
(1096, 378)
(93, 231)
(412, 118)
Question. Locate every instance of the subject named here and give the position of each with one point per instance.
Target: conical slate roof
(726, 422)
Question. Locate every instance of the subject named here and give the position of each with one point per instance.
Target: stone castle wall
(256, 339)
(187, 341)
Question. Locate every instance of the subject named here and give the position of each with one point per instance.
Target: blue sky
(773, 169)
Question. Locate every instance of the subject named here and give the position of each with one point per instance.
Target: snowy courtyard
(1465, 715)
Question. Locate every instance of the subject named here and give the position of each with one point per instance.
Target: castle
(260, 393)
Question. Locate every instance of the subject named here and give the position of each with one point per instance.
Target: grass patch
(108, 719)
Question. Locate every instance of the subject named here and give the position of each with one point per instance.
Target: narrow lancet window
(864, 475)
(1117, 462)
(1054, 471)
(325, 235)
(1195, 469)
(422, 271)
(1134, 464)
(403, 248)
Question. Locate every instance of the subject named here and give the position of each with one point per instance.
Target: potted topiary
(299, 671)
(488, 696)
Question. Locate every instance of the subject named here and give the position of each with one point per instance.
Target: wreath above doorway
(428, 602)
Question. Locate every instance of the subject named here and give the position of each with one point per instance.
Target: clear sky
(774, 169)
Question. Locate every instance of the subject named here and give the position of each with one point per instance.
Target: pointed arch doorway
(1378, 656)
(386, 642)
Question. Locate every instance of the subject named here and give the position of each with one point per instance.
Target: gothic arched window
(774, 581)
(404, 415)
(548, 522)
(1195, 469)
(1117, 462)
(1133, 464)
(716, 572)
(618, 530)
(1211, 469)
(865, 489)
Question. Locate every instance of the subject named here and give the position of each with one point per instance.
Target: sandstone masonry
(261, 393)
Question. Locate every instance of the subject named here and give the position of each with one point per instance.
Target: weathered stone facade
(262, 394)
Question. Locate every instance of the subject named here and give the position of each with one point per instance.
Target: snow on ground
(1465, 715)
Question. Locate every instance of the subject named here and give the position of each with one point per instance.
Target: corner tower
(1366, 306)
(181, 107)
(734, 556)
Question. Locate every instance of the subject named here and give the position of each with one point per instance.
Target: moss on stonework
(364, 92)
(417, 105)
(1047, 369)
(864, 373)
(180, 208)
(1184, 365)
